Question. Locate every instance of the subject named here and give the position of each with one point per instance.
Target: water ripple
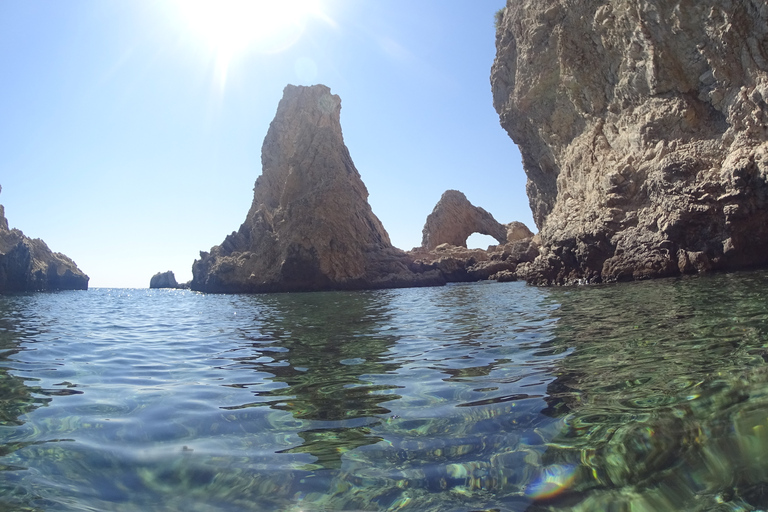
(466, 397)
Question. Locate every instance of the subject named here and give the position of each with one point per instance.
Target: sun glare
(233, 27)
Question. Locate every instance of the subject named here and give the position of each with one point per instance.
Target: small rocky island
(643, 127)
(310, 226)
(163, 280)
(27, 264)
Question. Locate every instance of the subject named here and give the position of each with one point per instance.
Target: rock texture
(163, 280)
(643, 130)
(310, 226)
(28, 264)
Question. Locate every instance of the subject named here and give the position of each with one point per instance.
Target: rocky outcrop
(517, 231)
(451, 222)
(310, 226)
(28, 264)
(643, 131)
(163, 280)
(459, 264)
(454, 219)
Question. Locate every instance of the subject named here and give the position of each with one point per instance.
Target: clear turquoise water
(645, 396)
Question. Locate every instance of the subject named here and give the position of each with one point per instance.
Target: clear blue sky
(131, 130)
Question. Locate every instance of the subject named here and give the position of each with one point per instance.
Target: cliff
(643, 131)
(310, 226)
(28, 264)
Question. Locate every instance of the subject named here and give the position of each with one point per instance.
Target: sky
(131, 130)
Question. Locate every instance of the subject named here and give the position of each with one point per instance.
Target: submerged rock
(27, 264)
(643, 127)
(163, 280)
(310, 226)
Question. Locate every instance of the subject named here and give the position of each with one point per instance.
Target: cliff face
(642, 126)
(28, 264)
(310, 226)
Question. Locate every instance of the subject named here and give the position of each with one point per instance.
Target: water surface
(490, 396)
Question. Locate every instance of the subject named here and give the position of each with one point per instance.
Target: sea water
(646, 396)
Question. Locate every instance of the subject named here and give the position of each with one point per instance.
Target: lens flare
(551, 482)
(233, 28)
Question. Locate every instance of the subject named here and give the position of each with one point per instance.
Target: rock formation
(163, 280)
(310, 226)
(28, 264)
(444, 242)
(643, 131)
(454, 219)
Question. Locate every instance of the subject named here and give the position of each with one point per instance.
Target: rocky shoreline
(27, 264)
(645, 145)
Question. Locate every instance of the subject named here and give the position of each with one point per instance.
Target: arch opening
(480, 241)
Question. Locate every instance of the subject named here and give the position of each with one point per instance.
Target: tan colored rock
(27, 264)
(517, 231)
(643, 127)
(454, 219)
(310, 226)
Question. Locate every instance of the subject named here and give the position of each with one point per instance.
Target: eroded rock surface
(643, 131)
(27, 264)
(310, 226)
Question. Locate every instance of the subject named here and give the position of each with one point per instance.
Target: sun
(233, 27)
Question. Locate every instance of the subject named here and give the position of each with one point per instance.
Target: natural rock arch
(454, 219)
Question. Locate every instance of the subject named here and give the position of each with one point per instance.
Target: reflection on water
(321, 346)
(640, 396)
(664, 395)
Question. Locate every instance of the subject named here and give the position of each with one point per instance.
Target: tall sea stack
(643, 127)
(27, 264)
(310, 226)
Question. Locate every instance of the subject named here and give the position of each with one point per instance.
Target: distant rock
(643, 127)
(454, 219)
(163, 280)
(310, 226)
(28, 264)
(444, 243)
